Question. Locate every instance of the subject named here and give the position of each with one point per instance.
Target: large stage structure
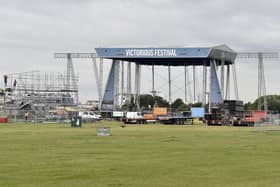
(218, 66)
(209, 58)
(215, 84)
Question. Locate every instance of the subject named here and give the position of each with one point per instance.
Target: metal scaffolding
(38, 93)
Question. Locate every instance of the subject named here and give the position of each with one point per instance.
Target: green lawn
(147, 155)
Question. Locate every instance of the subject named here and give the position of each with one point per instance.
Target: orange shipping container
(256, 116)
(160, 111)
(148, 116)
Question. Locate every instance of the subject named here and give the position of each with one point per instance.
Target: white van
(89, 116)
(118, 114)
(134, 117)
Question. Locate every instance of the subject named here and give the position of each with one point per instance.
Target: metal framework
(219, 58)
(38, 93)
(98, 71)
(262, 102)
(220, 55)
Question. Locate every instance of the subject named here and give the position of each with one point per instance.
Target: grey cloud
(41, 27)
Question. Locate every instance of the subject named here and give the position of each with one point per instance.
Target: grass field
(147, 155)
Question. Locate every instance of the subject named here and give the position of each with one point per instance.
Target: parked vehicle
(89, 116)
(134, 117)
(173, 119)
(118, 115)
(154, 116)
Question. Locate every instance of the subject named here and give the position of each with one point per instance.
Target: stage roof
(170, 56)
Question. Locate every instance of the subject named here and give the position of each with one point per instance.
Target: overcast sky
(32, 30)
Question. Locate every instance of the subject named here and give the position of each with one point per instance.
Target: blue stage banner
(153, 52)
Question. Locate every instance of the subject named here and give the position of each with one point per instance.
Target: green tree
(273, 103)
(177, 103)
(184, 107)
(250, 106)
(199, 104)
(161, 102)
(146, 101)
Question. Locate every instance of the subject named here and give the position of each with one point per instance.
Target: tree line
(148, 101)
(273, 103)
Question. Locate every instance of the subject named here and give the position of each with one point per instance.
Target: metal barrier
(103, 131)
(271, 123)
